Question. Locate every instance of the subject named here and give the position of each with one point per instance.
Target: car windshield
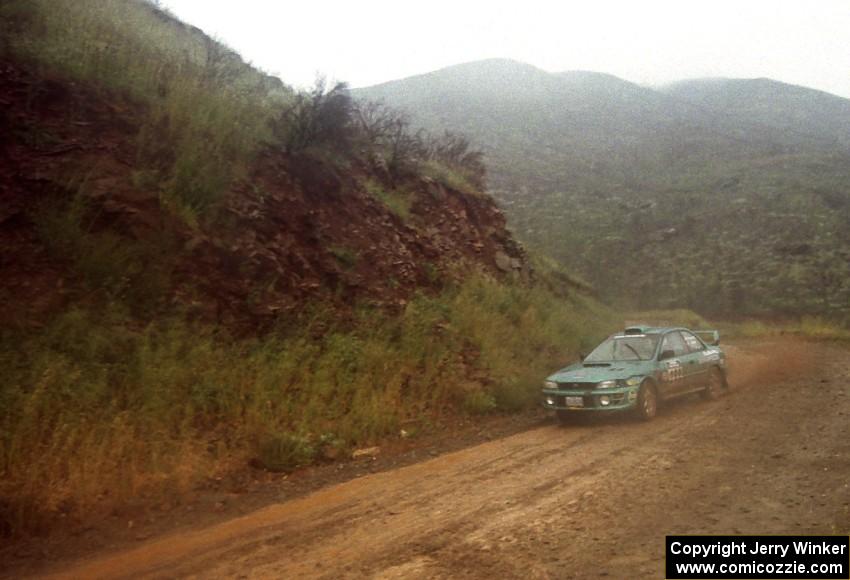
(616, 348)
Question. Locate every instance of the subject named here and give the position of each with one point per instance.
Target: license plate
(574, 401)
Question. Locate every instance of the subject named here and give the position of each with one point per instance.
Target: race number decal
(674, 371)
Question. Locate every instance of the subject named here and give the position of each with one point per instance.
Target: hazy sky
(366, 42)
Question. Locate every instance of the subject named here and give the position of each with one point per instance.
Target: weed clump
(284, 451)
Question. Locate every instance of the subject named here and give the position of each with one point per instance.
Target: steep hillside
(727, 196)
(797, 111)
(293, 230)
(206, 273)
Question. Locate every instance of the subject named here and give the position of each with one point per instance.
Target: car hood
(595, 372)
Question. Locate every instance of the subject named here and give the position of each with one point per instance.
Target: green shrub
(282, 452)
(479, 403)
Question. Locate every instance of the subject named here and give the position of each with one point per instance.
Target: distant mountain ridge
(791, 107)
(590, 165)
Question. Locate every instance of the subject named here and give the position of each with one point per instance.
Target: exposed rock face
(296, 230)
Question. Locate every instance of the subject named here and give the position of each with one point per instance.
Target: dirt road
(584, 501)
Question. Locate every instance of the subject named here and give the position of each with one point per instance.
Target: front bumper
(619, 399)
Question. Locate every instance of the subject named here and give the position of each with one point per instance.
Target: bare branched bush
(379, 134)
(404, 148)
(456, 151)
(388, 139)
(374, 120)
(321, 116)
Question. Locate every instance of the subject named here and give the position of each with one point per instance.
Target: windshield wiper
(633, 350)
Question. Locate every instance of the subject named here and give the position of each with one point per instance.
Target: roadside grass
(524, 333)
(96, 411)
(813, 327)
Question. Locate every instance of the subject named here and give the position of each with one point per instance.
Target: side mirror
(581, 356)
(665, 354)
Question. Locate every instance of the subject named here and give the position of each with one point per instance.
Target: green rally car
(636, 369)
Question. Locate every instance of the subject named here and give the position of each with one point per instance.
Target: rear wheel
(715, 386)
(647, 402)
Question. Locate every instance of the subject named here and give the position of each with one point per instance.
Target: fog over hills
(789, 107)
(633, 186)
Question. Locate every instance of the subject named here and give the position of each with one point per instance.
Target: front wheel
(714, 389)
(647, 402)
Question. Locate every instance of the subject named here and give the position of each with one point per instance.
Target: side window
(673, 341)
(694, 344)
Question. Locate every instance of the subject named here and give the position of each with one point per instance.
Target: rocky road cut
(590, 500)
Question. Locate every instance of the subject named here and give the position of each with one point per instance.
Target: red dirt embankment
(296, 229)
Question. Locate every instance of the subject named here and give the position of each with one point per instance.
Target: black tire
(715, 387)
(565, 417)
(647, 402)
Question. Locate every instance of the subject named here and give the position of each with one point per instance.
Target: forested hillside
(728, 196)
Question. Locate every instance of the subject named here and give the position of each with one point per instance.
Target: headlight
(633, 381)
(606, 385)
(550, 385)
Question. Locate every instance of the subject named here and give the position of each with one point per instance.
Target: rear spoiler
(710, 337)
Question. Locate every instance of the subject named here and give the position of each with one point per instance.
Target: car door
(694, 362)
(672, 368)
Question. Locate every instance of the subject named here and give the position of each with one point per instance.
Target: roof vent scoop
(636, 330)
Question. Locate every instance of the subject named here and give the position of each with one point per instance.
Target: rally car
(636, 369)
